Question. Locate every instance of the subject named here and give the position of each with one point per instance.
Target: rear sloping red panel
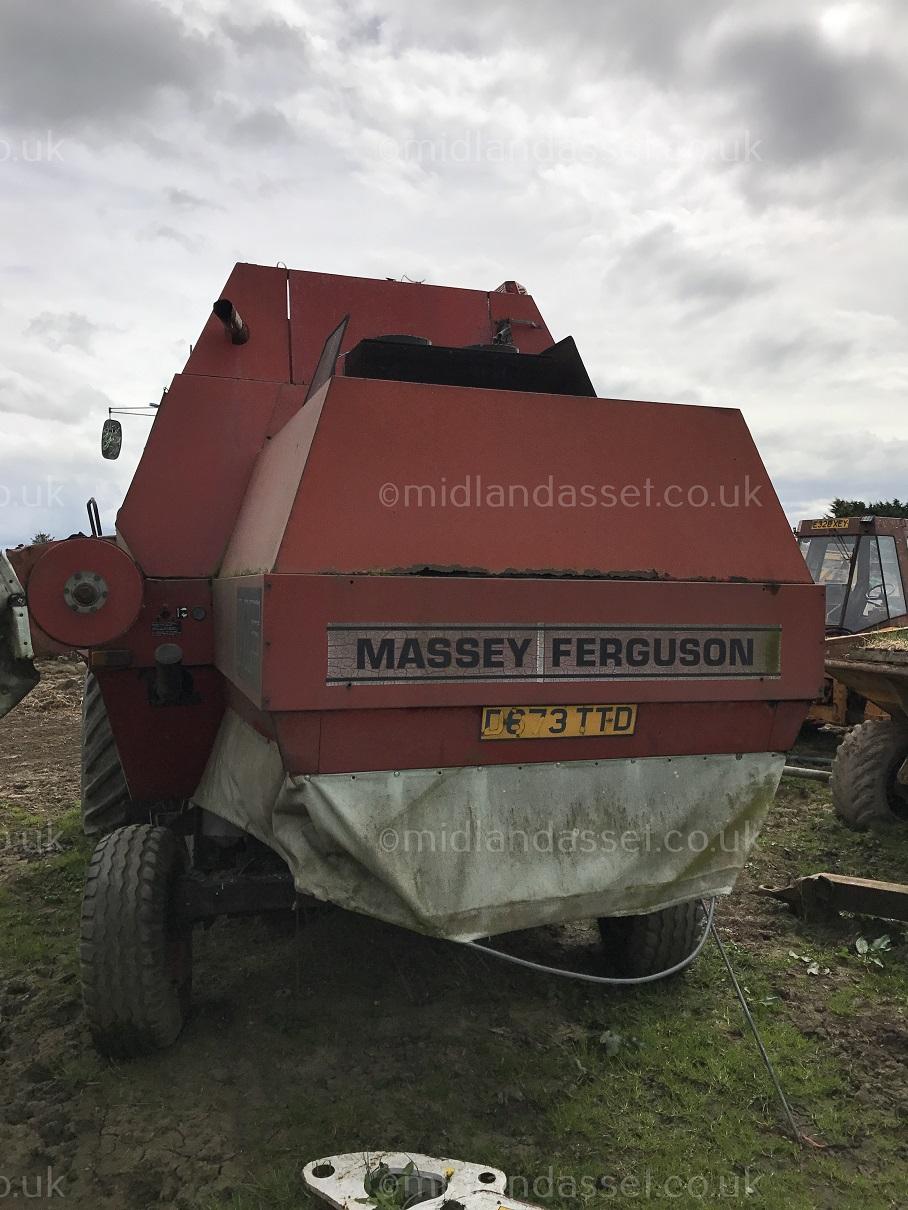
(403, 476)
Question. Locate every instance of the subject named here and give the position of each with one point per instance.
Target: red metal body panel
(447, 316)
(356, 740)
(298, 609)
(183, 501)
(166, 616)
(372, 436)
(260, 296)
(163, 748)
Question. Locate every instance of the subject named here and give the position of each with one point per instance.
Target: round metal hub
(85, 592)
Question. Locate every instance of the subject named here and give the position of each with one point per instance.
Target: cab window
(828, 559)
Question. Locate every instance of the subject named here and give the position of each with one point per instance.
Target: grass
(582, 1095)
(39, 904)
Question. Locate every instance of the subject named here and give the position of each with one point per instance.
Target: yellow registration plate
(556, 722)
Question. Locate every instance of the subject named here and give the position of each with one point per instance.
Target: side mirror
(111, 439)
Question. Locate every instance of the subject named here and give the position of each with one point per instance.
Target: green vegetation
(878, 508)
(583, 1096)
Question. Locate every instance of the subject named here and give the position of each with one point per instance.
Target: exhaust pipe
(236, 329)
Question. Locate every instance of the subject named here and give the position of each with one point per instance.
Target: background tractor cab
(863, 563)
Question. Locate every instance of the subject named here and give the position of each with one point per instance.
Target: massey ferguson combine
(400, 616)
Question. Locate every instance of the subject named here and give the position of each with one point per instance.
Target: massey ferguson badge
(549, 653)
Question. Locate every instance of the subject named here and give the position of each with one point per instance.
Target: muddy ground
(356, 1035)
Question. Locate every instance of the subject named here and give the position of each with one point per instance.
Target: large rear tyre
(637, 946)
(136, 957)
(864, 786)
(105, 798)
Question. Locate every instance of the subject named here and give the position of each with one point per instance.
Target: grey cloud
(650, 37)
(263, 127)
(182, 199)
(19, 396)
(809, 463)
(270, 34)
(783, 352)
(660, 260)
(66, 63)
(808, 100)
(191, 243)
(57, 329)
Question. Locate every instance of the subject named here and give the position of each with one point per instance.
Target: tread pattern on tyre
(132, 1003)
(635, 946)
(105, 796)
(862, 771)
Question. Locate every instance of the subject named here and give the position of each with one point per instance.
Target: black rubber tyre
(863, 774)
(635, 946)
(136, 962)
(105, 798)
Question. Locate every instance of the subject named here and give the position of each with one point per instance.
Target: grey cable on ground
(608, 980)
(742, 999)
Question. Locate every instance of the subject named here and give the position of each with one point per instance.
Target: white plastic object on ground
(340, 1180)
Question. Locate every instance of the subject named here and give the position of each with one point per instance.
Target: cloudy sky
(711, 197)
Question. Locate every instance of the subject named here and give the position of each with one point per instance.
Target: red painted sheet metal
(447, 316)
(403, 476)
(184, 498)
(163, 748)
(260, 296)
(296, 611)
(173, 611)
(528, 330)
(357, 740)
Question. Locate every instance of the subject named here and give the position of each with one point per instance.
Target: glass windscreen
(892, 578)
(828, 560)
(862, 578)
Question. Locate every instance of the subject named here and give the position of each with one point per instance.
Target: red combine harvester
(399, 615)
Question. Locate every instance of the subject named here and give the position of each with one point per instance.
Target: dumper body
(469, 647)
